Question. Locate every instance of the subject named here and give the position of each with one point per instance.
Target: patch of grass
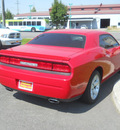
(113, 28)
(25, 40)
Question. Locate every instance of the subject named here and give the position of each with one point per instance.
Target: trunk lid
(41, 52)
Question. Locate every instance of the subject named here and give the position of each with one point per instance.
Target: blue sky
(44, 5)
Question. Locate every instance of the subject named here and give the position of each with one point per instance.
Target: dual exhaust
(51, 100)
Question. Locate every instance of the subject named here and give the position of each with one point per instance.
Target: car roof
(92, 35)
(79, 31)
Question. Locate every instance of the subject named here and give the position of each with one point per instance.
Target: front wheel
(93, 88)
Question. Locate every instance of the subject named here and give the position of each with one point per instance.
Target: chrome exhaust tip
(9, 89)
(53, 100)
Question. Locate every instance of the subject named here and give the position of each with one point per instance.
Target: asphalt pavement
(19, 111)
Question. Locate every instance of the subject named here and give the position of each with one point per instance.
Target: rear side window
(107, 41)
(58, 39)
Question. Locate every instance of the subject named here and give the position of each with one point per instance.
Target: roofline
(94, 6)
(43, 13)
(77, 31)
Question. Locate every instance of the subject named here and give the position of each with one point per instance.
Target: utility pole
(17, 7)
(3, 12)
(70, 4)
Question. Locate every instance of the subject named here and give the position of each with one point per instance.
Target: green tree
(47, 21)
(33, 9)
(8, 14)
(59, 13)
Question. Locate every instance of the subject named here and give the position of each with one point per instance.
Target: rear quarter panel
(84, 63)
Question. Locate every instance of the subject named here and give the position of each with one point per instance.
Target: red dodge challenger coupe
(61, 65)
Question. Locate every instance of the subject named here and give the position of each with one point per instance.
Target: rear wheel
(33, 30)
(93, 88)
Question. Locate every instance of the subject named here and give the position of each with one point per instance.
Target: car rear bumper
(45, 97)
(44, 84)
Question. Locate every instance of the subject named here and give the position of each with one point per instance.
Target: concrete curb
(116, 95)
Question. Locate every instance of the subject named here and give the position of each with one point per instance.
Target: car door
(112, 49)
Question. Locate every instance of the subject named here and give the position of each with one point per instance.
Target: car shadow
(75, 106)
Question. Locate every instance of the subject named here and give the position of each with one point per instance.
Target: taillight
(4, 59)
(61, 68)
(45, 65)
(36, 64)
(15, 61)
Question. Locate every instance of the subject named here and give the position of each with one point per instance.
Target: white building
(93, 16)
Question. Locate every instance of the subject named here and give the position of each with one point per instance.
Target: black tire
(33, 30)
(93, 88)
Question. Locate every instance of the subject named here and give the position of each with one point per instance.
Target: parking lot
(19, 111)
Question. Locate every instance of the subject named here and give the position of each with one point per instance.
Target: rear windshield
(57, 39)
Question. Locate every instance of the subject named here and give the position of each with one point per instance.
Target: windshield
(59, 39)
